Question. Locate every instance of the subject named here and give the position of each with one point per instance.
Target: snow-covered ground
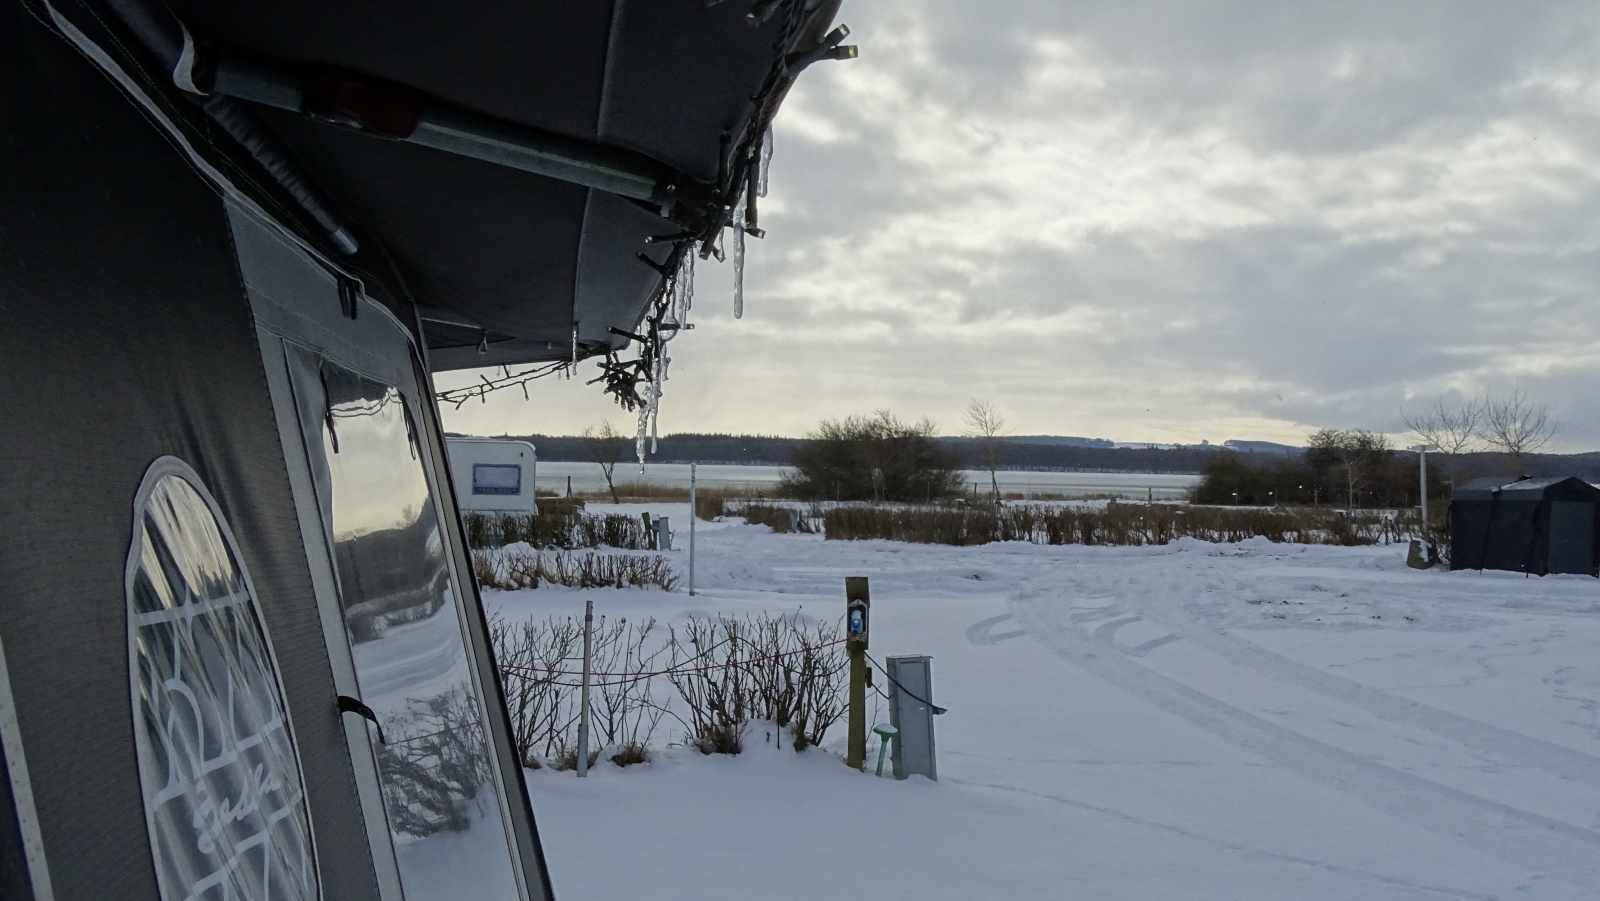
(1196, 721)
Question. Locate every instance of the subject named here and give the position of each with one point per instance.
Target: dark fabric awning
(360, 101)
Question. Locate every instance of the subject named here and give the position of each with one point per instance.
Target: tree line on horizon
(881, 457)
(1482, 436)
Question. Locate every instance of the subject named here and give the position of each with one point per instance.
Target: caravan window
(496, 478)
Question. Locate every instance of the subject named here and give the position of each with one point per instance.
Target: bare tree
(988, 425)
(1515, 426)
(1449, 431)
(604, 447)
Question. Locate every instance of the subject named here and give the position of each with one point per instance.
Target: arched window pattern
(223, 797)
(441, 792)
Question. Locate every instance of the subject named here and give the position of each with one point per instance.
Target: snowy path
(1240, 722)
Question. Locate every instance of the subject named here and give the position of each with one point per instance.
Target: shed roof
(1560, 488)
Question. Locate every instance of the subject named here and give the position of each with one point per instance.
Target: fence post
(694, 514)
(583, 704)
(858, 604)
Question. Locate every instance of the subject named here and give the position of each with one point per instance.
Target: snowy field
(1196, 721)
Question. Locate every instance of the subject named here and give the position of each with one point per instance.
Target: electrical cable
(934, 707)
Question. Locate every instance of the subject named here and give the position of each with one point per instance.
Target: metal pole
(694, 514)
(1422, 460)
(583, 715)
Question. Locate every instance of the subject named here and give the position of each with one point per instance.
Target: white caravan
(493, 475)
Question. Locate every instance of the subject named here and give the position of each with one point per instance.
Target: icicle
(655, 415)
(738, 259)
(688, 288)
(572, 368)
(649, 407)
(766, 163)
(644, 418)
(683, 289)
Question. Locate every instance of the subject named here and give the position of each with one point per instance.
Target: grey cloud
(1248, 219)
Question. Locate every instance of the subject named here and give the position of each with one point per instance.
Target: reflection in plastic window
(223, 798)
(440, 791)
(496, 478)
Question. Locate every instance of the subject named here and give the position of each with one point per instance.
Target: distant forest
(1024, 453)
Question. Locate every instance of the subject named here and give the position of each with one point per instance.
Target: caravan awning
(501, 165)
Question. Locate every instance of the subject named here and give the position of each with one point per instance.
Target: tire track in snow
(1543, 844)
(1513, 747)
(1226, 845)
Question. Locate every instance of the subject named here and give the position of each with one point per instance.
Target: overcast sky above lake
(1159, 221)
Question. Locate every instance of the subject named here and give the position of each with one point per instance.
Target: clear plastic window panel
(223, 797)
(440, 790)
(496, 478)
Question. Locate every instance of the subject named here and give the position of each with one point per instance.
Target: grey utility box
(911, 712)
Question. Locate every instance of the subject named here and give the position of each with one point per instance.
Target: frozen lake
(586, 477)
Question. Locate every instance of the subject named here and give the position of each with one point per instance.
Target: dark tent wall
(125, 337)
(169, 611)
(208, 386)
(1535, 526)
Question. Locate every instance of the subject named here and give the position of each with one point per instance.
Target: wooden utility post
(858, 604)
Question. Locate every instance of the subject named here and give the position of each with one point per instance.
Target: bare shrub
(1119, 524)
(517, 567)
(875, 457)
(631, 753)
(728, 672)
(530, 657)
(715, 689)
(540, 662)
(622, 708)
(709, 507)
(731, 671)
(562, 527)
(778, 518)
(566, 759)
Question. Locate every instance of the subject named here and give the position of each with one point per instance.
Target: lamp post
(1422, 475)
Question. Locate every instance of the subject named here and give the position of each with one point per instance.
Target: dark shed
(1536, 526)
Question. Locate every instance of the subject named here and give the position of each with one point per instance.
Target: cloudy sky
(1159, 221)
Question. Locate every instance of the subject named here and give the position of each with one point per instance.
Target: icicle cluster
(679, 299)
